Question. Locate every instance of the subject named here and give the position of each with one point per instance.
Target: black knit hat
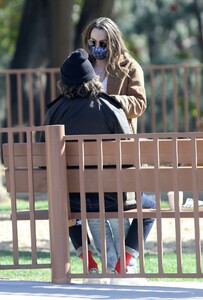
(77, 68)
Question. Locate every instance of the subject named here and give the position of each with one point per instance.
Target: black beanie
(77, 68)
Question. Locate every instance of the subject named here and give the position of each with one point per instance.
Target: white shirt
(104, 83)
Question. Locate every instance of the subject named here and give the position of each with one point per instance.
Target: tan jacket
(129, 91)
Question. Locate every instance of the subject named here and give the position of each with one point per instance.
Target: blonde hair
(89, 89)
(116, 46)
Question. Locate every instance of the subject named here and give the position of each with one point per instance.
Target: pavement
(20, 290)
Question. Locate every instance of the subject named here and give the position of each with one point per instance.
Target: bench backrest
(118, 159)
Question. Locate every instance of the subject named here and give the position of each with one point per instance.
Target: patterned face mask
(99, 53)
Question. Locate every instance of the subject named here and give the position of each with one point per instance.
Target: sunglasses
(93, 43)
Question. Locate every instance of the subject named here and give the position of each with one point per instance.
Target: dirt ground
(42, 230)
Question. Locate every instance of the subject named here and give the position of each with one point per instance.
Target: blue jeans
(112, 233)
(112, 238)
(113, 248)
(92, 204)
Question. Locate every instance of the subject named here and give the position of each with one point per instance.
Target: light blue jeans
(112, 238)
(112, 232)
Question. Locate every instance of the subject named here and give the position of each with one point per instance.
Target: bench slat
(90, 149)
(21, 180)
(147, 213)
(40, 214)
(147, 180)
(20, 154)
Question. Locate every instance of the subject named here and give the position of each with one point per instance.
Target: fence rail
(173, 93)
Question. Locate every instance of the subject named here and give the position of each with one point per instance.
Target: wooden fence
(173, 93)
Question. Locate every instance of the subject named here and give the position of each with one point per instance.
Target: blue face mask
(99, 53)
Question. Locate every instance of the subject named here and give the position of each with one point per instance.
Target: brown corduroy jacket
(129, 91)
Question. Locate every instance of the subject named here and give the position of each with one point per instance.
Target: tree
(45, 34)
(164, 31)
(46, 37)
(48, 33)
(198, 13)
(10, 15)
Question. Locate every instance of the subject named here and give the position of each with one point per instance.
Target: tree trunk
(32, 43)
(45, 35)
(200, 27)
(45, 39)
(61, 31)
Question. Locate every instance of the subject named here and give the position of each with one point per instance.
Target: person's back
(101, 115)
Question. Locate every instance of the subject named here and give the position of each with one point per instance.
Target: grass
(25, 274)
(42, 204)
(23, 205)
(151, 264)
(151, 261)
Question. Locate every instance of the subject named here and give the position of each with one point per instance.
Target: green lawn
(42, 204)
(151, 261)
(76, 265)
(23, 205)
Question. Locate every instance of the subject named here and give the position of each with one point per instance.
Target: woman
(122, 77)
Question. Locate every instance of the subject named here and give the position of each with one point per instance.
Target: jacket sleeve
(132, 96)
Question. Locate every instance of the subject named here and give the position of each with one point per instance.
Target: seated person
(84, 109)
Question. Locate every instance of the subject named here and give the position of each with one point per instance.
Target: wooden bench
(151, 163)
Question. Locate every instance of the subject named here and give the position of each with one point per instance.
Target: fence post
(57, 198)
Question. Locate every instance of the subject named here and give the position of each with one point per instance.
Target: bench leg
(58, 209)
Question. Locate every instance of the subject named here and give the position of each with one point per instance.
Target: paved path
(20, 290)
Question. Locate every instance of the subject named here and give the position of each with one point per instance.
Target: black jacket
(83, 116)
